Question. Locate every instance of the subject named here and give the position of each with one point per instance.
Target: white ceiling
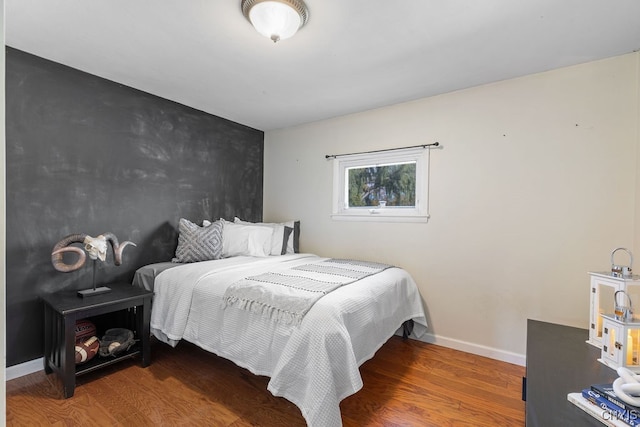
(353, 55)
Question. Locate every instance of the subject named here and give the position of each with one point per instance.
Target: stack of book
(611, 407)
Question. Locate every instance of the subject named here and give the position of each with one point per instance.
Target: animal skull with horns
(96, 247)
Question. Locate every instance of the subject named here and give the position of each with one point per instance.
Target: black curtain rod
(333, 156)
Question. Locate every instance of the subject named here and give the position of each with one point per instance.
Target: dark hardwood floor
(407, 383)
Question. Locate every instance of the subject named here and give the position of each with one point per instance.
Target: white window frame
(419, 213)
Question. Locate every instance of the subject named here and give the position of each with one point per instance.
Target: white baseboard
(36, 365)
(480, 350)
(25, 368)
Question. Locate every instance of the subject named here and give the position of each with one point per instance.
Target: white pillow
(279, 246)
(241, 239)
(277, 237)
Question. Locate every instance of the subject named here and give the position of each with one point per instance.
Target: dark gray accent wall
(87, 155)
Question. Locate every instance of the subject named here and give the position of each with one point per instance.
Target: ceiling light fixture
(276, 19)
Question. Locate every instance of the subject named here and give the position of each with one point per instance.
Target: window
(382, 186)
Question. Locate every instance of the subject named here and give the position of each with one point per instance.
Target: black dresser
(559, 362)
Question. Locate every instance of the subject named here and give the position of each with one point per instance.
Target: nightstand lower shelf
(101, 362)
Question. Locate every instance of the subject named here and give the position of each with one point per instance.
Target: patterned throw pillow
(197, 243)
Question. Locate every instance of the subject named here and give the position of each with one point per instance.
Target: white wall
(536, 185)
(636, 229)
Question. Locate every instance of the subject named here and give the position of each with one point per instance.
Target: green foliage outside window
(394, 184)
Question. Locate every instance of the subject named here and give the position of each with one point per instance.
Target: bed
(312, 356)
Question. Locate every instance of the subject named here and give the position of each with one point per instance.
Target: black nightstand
(63, 309)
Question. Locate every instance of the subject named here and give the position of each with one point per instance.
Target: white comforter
(315, 364)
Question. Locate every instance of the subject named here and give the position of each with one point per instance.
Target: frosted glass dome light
(276, 19)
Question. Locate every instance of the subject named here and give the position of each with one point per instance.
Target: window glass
(391, 185)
